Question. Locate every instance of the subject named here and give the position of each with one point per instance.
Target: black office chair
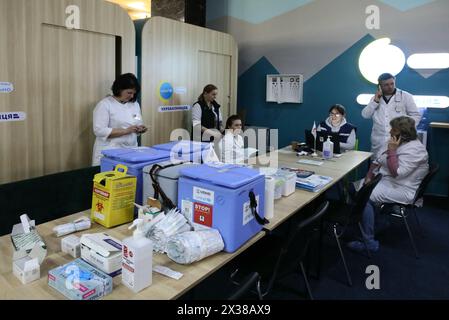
(343, 215)
(275, 249)
(251, 281)
(402, 211)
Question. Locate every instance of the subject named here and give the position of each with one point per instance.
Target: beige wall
(187, 57)
(58, 76)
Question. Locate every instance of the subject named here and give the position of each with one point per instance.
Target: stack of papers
(313, 183)
(310, 162)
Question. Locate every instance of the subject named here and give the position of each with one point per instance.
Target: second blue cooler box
(135, 159)
(184, 150)
(224, 197)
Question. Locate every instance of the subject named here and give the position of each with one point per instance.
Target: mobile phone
(304, 173)
(380, 88)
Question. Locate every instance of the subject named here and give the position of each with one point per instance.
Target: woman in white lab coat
(388, 103)
(231, 145)
(117, 119)
(403, 166)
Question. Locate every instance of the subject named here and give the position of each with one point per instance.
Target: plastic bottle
(137, 259)
(328, 148)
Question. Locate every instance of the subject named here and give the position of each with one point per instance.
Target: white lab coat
(413, 166)
(232, 148)
(110, 114)
(401, 104)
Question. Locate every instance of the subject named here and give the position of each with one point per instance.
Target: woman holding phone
(117, 119)
(403, 166)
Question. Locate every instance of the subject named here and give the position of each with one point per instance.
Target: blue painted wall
(341, 82)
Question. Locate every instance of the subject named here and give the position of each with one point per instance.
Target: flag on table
(314, 130)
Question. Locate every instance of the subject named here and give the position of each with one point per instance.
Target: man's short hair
(385, 76)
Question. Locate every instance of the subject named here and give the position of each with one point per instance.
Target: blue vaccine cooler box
(184, 150)
(135, 159)
(222, 196)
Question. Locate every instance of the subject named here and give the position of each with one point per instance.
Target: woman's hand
(132, 129)
(142, 129)
(394, 143)
(367, 180)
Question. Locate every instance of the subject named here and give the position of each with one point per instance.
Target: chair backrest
(305, 228)
(246, 285)
(362, 197)
(433, 169)
(299, 237)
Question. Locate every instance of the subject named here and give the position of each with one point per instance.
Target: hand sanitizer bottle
(137, 259)
(328, 148)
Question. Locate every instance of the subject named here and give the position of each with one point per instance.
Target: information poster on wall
(285, 88)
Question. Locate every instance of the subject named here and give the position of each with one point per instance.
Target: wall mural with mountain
(323, 39)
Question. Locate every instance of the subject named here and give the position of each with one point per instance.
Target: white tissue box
(71, 245)
(102, 251)
(26, 269)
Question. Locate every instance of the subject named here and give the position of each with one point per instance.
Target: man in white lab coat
(388, 103)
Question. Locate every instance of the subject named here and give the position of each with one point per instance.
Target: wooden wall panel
(72, 55)
(216, 68)
(21, 153)
(171, 52)
(57, 106)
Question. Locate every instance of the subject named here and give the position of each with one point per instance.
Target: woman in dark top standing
(206, 114)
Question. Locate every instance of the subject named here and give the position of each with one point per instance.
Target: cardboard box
(26, 269)
(71, 245)
(79, 280)
(29, 250)
(113, 197)
(103, 252)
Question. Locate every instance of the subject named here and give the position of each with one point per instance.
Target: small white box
(103, 252)
(290, 184)
(26, 269)
(71, 245)
(29, 250)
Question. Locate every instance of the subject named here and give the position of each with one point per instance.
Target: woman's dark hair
(231, 120)
(406, 127)
(339, 108)
(124, 82)
(207, 89)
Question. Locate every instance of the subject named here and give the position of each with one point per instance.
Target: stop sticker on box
(202, 214)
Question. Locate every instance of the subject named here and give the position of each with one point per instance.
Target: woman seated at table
(403, 166)
(336, 122)
(231, 144)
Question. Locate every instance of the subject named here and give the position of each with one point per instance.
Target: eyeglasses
(334, 114)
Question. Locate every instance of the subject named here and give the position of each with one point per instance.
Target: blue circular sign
(166, 91)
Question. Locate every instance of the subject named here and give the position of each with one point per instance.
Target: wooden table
(336, 168)
(163, 288)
